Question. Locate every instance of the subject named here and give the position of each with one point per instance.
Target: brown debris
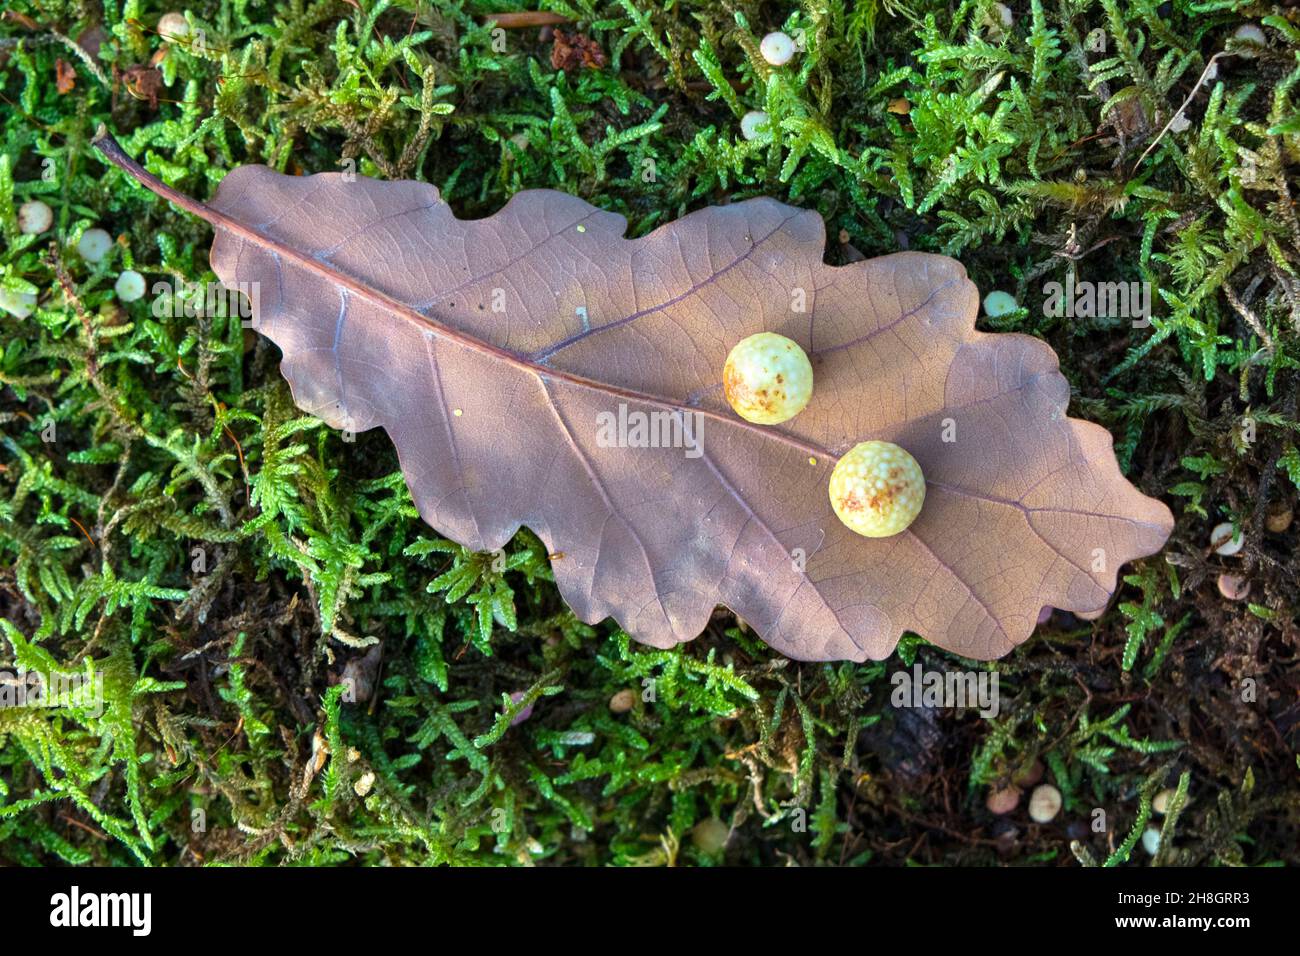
(142, 82)
(573, 51)
(65, 77)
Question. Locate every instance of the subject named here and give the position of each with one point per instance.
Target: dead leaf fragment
(364, 784)
(65, 77)
(573, 51)
(143, 83)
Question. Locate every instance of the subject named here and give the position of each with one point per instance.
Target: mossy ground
(167, 515)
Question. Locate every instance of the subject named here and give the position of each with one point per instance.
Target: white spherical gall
(777, 48)
(1151, 840)
(34, 217)
(753, 124)
(1224, 541)
(173, 26)
(998, 303)
(18, 304)
(129, 286)
(94, 245)
(710, 835)
(877, 489)
(1247, 37)
(1044, 803)
(767, 379)
(1004, 14)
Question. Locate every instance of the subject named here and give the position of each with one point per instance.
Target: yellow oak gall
(877, 489)
(767, 379)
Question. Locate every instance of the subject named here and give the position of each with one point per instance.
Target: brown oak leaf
(496, 353)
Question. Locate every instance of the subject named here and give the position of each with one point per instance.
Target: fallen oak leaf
(496, 353)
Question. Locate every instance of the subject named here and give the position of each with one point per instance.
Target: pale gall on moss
(777, 48)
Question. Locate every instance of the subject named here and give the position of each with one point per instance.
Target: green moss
(169, 519)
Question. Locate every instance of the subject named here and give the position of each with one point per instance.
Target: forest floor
(169, 520)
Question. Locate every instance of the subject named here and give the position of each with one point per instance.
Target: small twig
(98, 835)
(1287, 204)
(1251, 319)
(84, 56)
(70, 293)
(1220, 541)
(83, 530)
(1291, 291)
(1210, 70)
(525, 19)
